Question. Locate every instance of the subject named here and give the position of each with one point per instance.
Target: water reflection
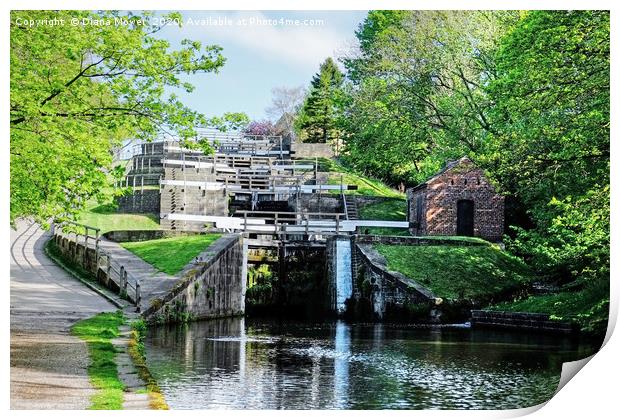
(245, 364)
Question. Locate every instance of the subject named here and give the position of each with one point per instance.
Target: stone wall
(388, 290)
(310, 150)
(432, 208)
(312, 203)
(143, 235)
(212, 287)
(85, 256)
(520, 321)
(146, 201)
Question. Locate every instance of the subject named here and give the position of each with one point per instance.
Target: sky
(263, 50)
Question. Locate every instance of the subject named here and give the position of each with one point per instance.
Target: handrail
(124, 280)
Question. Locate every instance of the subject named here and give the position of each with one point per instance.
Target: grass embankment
(392, 209)
(170, 255)
(365, 185)
(588, 307)
(473, 273)
(98, 333)
(105, 217)
(136, 351)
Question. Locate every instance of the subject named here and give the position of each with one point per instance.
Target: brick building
(458, 200)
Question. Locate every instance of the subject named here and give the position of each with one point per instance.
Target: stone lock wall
(212, 287)
(311, 150)
(146, 201)
(387, 289)
(433, 207)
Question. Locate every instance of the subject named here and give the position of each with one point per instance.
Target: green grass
(170, 255)
(588, 307)
(476, 273)
(393, 209)
(365, 185)
(98, 333)
(105, 217)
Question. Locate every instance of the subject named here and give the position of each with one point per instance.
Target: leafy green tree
(77, 90)
(552, 140)
(317, 118)
(417, 89)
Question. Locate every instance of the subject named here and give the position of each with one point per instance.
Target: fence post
(121, 276)
(124, 283)
(108, 270)
(138, 296)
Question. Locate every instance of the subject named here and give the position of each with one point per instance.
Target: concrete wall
(310, 150)
(211, 288)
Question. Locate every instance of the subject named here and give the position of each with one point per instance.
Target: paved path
(153, 283)
(48, 365)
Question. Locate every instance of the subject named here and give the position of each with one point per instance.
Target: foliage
(474, 273)
(570, 305)
(260, 289)
(317, 118)
(416, 97)
(525, 94)
(365, 185)
(77, 90)
(98, 333)
(285, 104)
(170, 255)
(260, 128)
(230, 121)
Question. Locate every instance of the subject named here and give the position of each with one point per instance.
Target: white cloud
(302, 45)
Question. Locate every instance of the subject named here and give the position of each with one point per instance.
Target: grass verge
(394, 209)
(365, 185)
(105, 217)
(473, 273)
(98, 333)
(136, 351)
(589, 307)
(171, 254)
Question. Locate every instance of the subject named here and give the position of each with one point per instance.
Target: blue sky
(261, 54)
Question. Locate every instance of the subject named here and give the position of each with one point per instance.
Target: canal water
(257, 364)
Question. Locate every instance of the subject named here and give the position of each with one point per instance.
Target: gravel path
(48, 365)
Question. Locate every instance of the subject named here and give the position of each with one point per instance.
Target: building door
(465, 218)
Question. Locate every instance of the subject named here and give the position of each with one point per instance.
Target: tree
(77, 90)
(416, 96)
(317, 118)
(285, 104)
(260, 128)
(552, 141)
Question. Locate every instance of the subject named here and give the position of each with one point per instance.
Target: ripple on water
(336, 366)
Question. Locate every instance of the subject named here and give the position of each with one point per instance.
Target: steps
(351, 206)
